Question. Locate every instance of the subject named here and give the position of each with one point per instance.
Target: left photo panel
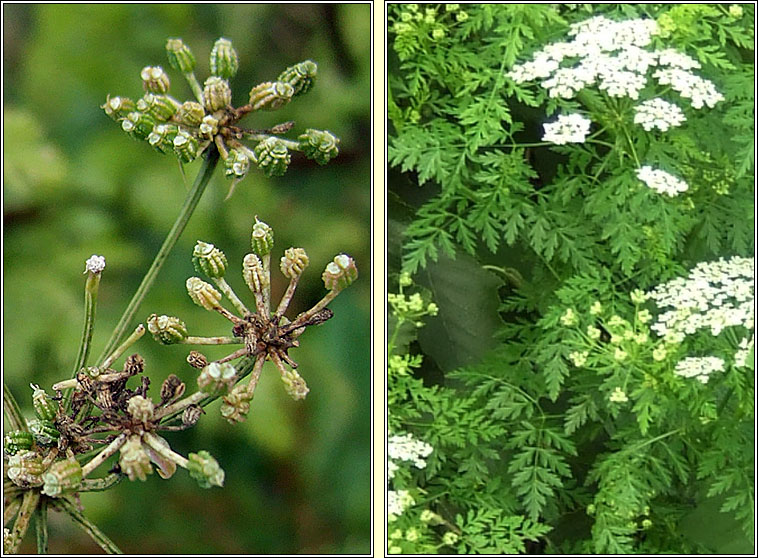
(187, 278)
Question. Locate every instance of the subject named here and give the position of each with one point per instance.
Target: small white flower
(571, 128)
(698, 367)
(657, 113)
(579, 358)
(95, 264)
(596, 308)
(661, 181)
(618, 396)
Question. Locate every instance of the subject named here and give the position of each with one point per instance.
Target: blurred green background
(297, 473)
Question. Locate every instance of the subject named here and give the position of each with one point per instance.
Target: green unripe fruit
(167, 330)
(216, 94)
(271, 95)
(202, 293)
(273, 156)
(208, 259)
(300, 76)
(17, 440)
(224, 62)
(180, 56)
(205, 469)
(319, 145)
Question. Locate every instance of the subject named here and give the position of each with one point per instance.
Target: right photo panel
(571, 279)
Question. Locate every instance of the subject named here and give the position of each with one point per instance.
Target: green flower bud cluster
(188, 128)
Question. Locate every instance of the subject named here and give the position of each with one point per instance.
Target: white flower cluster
(406, 448)
(700, 91)
(714, 295)
(661, 181)
(698, 367)
(569, 128)
(618, 396)
(95, 264)
(611, 55)
(657, 113)
(743, 352)
(397, 502)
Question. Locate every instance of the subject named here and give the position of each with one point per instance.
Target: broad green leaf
(467, 298)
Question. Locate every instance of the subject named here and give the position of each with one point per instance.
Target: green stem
(13, 411)
(90, 528)
(190, 203)
(195, 86)
(25, 512)
(90, 303)
(98, 485)
(40, 524)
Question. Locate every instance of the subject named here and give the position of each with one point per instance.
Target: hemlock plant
(586, 206)
(100, 411)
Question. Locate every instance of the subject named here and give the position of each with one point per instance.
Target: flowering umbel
(188, 128)
(266, 333)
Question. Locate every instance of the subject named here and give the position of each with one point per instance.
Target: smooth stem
(231, 295)
(191, 340)
(13, 411)
(180, 405)
(90, 528)
(103, 455)
(25, 512)
(98, 485)
(131, 340)
(40, 525)
(195, 86)
(90, 303)
(190, 203)
(164, 451)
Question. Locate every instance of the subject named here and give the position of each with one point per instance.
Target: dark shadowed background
(297, 473)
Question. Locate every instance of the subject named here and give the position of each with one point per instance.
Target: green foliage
(576, 419)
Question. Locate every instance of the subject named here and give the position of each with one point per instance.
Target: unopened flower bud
(160, 107)
(191, 113)
(273, 156)
(319, 145)
(262, 238)
(294, 384)
(154, 79)
(171, 388)
(25, 469)
(138, 125)
(294, 262)
(185, 146)
(140, 408)
(62, 476)
(237, 164)
(340, 273)
(134, 460)
(17, 440)
(208, 259)
(202, 293)
(118, 107)
(166, 330)
(180, 56)
(216, 94)
(191, 415)
(162, 137)
(236, 404)
(224, 62)
(197, 360)
(217, 377)
(254, 274)
(44, 432)
(44, 407)
(300, 76)
(205, 469)
(271, 95)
